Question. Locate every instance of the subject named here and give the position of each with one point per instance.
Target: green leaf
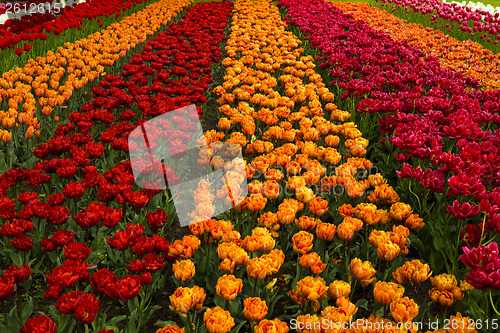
(16, 259)
(438, 242)
(237, 328)
(116, 320)
(219, 301)
(419, 245)
(162, 324)
(362, 303)
(27, 309)
(272, 303)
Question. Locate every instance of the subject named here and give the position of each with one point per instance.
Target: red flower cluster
(431, 113)
(39, 24)
(485, 263)
(11, 276)
(83, 306)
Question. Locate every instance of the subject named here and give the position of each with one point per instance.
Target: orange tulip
(388, 251)
(302, 242)
(414, 271)
(404, 309)
(325, 231)
(218, 320)
(339, 289)
(228, 287)
(386, 292)
(185, 299)
(255, 309)
(183, 270)
(312, 289)
(362, 271)
(170, 329)
(317, 206)
(271, 326)
(312, 261)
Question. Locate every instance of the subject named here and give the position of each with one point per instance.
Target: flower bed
(100, 221)
(40, 24)
(29, 96)
(436, 123)
(461, 22)
(341, 219)
(466, 57)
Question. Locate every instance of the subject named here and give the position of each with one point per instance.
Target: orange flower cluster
(371, 215)
(390, 244)
(445, 290)
(348, 227)
(39, 85)
(232, 256)
(185, 299)
(184, 248)
(228, 287)
(274, 326)
(312, 261)
(413, 271)
(183, 270)
(467, 57)
(260, 240)
(171, 329)
(204, 199)
(266, 265)
(213, 229)
(387, 292)
(218, 320)
(333, 319)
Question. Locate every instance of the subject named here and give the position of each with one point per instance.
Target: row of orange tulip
(277, 108)
(47, 82)
(467, 57)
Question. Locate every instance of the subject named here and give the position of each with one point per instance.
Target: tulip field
(349, 156)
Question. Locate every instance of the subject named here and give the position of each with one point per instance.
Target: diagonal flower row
(299, 150)
(466, 57)
(77, 212)
(37, 88)
(448, 133)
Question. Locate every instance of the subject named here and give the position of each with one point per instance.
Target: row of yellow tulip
(278, 109)
(47, 82)
(467, 57)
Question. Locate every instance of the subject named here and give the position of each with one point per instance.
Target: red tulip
(76, 251)
(40, 324)
(101, 279)
(464, 211)
(124, 289)
(22, 243)
(19, 274)
(6, 287)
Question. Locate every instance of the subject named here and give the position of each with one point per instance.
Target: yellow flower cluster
(47, 82)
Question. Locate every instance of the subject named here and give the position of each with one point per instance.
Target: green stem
(493, 304)
(124, 261)
(189, 327)
(419, 204)
(482, 230)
